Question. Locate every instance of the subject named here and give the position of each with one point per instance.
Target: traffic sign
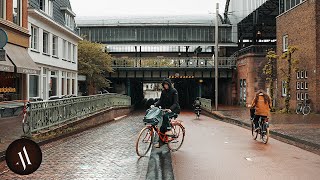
(3, 38)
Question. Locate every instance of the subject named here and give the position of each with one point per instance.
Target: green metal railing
(173, 62)
(44, 115)
(206, 104)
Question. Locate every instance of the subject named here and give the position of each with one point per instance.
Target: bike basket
(153, 116)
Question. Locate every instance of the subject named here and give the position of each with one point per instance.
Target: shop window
(33, 86)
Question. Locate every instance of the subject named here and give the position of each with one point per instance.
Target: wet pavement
(306, 128)
(105, 152)
(218, 150)
(10, 130)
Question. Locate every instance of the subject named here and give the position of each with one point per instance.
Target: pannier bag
(153, 116)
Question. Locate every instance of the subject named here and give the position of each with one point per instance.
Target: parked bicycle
(147, 135)
(304, 107)
(25, 124)
(263, 129)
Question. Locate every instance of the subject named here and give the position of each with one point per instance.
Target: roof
(192, 20)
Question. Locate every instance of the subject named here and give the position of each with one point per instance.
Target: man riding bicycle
(168, 100)
(197, 103)
(262, 105)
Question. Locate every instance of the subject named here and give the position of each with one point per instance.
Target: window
(55, 46)
(74, 53)
(45, 42)
(285, 42)
(306, 85)
(306, 96)
(302, 96)
(302, 85)
(284, 88)
(298, 74)
(69, 21)
(302, 74)
(298, 96)
(73, 86)
(3, 9)
(34, 37)
(69, 51)
(298, 85)
(33, 86)
(42, 5)
(65, 49)
(17, 12)
(306, 74)
(50, 7)
(53, 84)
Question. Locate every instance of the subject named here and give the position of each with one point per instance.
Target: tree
(94, 63)
(291, 65)
(269, 70)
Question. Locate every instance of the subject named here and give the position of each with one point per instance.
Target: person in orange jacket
(262, 105)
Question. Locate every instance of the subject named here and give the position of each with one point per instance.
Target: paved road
(217, 150)
(106, 152)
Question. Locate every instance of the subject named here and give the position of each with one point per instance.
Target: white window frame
(298, 96)
(301, 74)
(20, 12)
(298, 85)
(69, 52)
(302, 96)
(44, 6)
(298, 74)
(65, 50)
(39, 77)
(57, 78)
(284, 89)
(4, 9)
(302, 86)
(74, 53)
(285, 43)
(50, 8)
(306, 85)
(34, 38)
(55, 46)
(306, 74)
(45, 43)
(306, 96)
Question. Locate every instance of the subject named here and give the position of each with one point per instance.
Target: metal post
(216, 55)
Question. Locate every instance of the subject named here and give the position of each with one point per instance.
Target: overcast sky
(144, 7)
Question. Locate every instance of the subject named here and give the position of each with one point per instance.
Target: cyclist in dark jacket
(168, 100)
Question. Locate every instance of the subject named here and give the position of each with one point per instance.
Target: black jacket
(169, 98)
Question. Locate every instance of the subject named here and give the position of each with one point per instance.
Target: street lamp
(215, 56)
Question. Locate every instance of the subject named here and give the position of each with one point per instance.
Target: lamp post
(216, 56)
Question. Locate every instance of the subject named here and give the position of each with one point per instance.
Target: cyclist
(262, 105)
(168, 100)
(197, 104)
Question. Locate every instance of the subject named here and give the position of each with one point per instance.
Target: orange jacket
(262, 109)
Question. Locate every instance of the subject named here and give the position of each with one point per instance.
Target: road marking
(120, 117)
(248, 159)
(226, 142)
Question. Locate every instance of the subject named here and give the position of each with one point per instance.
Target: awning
(5, 64)
(21, 59)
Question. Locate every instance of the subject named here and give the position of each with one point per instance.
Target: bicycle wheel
(265, 136)
(253, 133)
(178, 137)
(298, 110)
(306, 110)
(144, 141)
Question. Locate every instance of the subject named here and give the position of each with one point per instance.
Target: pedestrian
(262, 105)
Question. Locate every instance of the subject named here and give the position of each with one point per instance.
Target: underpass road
(217, 150)
(106, 152)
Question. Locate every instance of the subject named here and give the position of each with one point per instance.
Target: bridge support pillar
(128, 87)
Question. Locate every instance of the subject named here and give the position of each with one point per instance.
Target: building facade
(15, 62)
(304, 33)
(53, 47)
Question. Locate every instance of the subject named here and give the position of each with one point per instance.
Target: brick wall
(301, 27)
(250, 67)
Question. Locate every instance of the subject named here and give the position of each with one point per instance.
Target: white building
(53, 47)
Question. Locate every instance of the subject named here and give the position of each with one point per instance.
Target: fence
(43, 115)
(206, 104)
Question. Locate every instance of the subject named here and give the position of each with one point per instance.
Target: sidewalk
(291, 126)
(10, 130)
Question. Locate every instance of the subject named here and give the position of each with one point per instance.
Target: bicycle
(304, 107)
(147, 134)
(25, 124)
(263, 128)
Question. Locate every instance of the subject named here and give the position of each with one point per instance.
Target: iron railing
(174, 62)
(254, 49)
(44, 115)
(206, 104)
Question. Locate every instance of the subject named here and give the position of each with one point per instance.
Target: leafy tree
(94, 63)
(291, 66)
(270, 71)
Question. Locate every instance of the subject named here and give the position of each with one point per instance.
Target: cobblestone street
(105, 152)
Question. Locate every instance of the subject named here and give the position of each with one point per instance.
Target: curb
(160, 164)
(62, 136)
(303, 144)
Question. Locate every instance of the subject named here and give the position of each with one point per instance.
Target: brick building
(15, 64)
(299, 25)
